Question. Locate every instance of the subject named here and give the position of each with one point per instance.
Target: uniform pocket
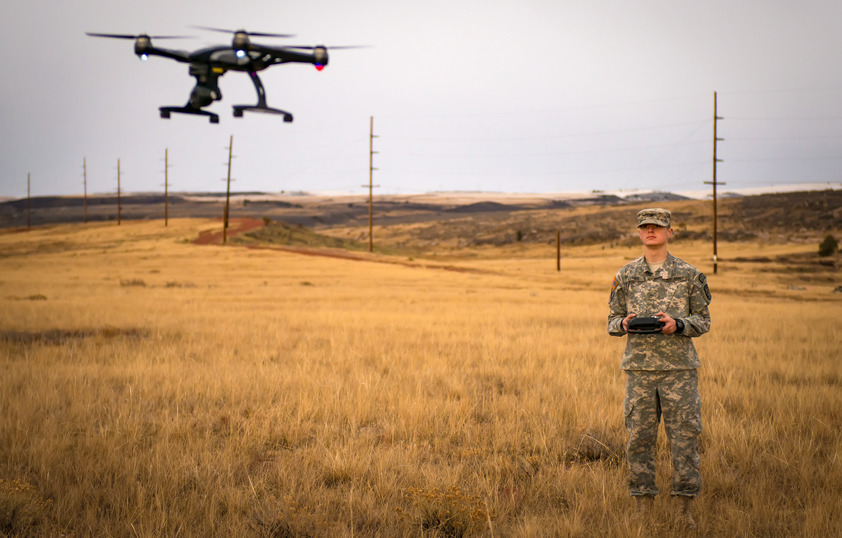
(629, 405)
(677, 290)
(692, 421)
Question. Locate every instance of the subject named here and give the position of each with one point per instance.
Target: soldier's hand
(669, 323)
(626, 322)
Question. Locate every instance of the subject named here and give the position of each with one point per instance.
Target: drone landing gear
(167, 110)
(261, 102)
(239, 109)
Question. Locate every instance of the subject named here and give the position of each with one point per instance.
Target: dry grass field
(155, 387)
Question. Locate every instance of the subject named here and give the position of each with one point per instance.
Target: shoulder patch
(614, 284)
(703, 281)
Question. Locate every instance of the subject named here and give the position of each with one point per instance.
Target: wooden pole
(85, 185)
(715, 219)
(558, 250)
(227, 192)
(119, 201)
(28, 203)
(166, 188)
(371, 186)
(715, 183)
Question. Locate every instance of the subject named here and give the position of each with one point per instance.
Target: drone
(208, 64)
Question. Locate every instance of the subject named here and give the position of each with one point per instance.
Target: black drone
(208, 64)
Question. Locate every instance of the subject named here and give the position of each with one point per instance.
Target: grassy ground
(153, 387)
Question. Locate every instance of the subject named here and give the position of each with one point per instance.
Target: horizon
(700, 194)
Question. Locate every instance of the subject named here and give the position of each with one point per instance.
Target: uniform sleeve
(617, 307)
(698, 323)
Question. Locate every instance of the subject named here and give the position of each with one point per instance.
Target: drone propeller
(251, 34)
(136, 36)
(143, 43)
(311, 47)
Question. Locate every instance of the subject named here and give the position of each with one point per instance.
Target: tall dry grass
(155, 388)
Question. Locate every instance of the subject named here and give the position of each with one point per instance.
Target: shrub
(829, 246)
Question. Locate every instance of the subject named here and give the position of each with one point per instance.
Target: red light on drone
(319, 67)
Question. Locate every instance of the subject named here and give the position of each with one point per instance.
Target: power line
(786, 159)
(548, 137)
(786, 118)
(768, 138)
(829, 182)
(790, 90)
(520, 172)
(547, 154)
(544, 111)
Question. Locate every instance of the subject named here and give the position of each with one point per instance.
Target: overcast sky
(495, 95)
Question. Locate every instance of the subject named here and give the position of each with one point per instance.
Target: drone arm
(284, 55)
(177, 55)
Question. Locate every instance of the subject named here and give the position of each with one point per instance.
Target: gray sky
(498, 95)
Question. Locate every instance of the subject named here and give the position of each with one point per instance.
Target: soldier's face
(653, 236)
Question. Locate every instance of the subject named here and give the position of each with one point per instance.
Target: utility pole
(119, 202)
(371, 186)
(166, 187)
(714, 182)
(228, 192)
(28, 203)
(85, 185)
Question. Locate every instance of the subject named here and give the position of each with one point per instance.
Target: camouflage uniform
(661, 376)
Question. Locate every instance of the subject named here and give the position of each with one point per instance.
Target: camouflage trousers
(675, 395)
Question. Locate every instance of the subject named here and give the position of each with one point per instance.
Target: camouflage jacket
(678, 289)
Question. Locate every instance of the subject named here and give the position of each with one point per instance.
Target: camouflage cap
(657, 216)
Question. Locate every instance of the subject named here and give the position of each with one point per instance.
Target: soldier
(661, 364)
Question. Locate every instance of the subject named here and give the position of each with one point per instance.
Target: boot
(645, 504)
(684, 517)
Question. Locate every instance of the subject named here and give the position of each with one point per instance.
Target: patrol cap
(657, 216)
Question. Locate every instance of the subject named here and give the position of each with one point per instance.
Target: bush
(829, 246)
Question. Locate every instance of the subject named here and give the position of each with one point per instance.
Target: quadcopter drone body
(208, 64)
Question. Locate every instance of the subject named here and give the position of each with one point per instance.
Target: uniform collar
(641, 269)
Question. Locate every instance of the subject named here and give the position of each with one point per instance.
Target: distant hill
(590, 219)
(656, 196)
(789, 217)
